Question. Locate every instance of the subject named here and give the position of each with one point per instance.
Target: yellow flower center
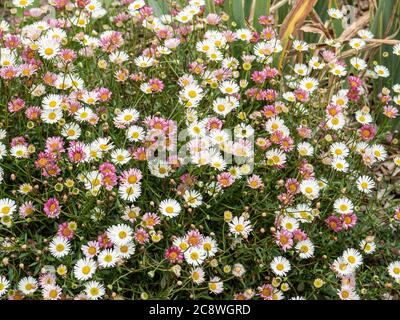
(94, 291)
(309, 190)
(280, 266)
(194, 255)
(53, 294)
(48, 51)
(239, 228)
(351, 259)
(86, 270)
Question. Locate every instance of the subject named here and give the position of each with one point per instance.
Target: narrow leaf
(236, 7)
(293, 22)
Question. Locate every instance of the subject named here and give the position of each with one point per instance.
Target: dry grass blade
(315, 28)
(354, 28)
(293, 21)
(373, 43)
(277, 6)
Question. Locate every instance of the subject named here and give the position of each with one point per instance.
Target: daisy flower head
(315, 63)
(301, 69)
(382, 71)
(343, 206)
(4, 285)
(394, 270)
(170, 208)
(289, 224)
(135, 133)
(238, 270)
(396, 160)
(379, 152)
(125, 250)
(94, 290)
(136, 5)
(240, 226)
(91, 249)
(229, 87)
(51, 116)
(184, 16)
(22, 3)
(215, 285)
(7, 207)
(129, 192)
(107, 258)
(305, 248)
(48, 48)
(59, 247)
(353, 257)
(336, 122)
(28, 285)
(195, 256)
(51, 292)
(71, 131)
(396, 49)
(363, 117)
(365, 184)
(338, 70)
(120, 234)
(280, 266)
(310, 188)
(342, 267)
(357, 43)
(120, 156)
(335, 13)
(367, 247)
(339, 149)
(193, 198)
(275, 157)
(358, 63)
(309, 84)
(305, 149)
(144, 62)
(84, 269)
(210, 246)
(347, 293)
(300, 45)
(244, 35)
(197, 275)
(340, 164)
(365, 34)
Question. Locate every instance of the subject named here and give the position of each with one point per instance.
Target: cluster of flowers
(99, 179)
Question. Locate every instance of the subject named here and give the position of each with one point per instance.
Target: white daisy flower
(170, 208)
(280, 266)
(94, 290)
(195, 256)
(305, 248)
(353, 257)
(120, 234)
(394, 269)
(365, 184)
(84, 269)
(28, 285)
(59, 247)
(343, 206)
(240, 226)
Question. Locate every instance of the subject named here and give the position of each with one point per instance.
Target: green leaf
(159, 7)
(236, 7)
(247, 7)
(210, 6)
(337, 24)
(260, 8)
